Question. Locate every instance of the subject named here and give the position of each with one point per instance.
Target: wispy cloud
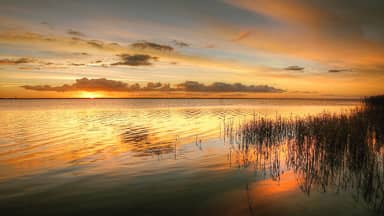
(337, 70)
(16, 61)
(242, 35)
(96, 43)
(57, 42)
(77, 64)
(180, 43)
(75, 33)
(294, 68)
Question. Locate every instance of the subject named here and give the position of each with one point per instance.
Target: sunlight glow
(90, 95)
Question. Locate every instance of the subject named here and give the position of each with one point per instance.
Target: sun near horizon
(192, 107)
(90, 95)
(219, 48)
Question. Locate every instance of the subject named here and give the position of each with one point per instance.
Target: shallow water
(151, 157)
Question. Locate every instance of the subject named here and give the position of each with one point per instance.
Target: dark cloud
(103, 84)
(180, 43)
(294, 68)
(337, 70)
(135, 60)
(75, 33)
(152, 46)
(225, 87)
(158, 86)
(16, 61)
(84, 84)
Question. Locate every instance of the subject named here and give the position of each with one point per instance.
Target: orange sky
(315, 49)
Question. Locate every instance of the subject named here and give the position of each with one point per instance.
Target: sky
(191, 48)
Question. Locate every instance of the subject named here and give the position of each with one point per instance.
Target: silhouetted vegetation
(327, 152)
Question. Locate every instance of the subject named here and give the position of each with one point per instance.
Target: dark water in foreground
(156, 157)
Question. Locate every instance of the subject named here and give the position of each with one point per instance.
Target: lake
(156, 157)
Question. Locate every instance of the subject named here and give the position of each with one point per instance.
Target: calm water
(153, 157)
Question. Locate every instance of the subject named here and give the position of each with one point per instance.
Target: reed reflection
(327, 152)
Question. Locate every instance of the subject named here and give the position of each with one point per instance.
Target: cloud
(81, 53)
(294, 68)
(180, 43)
(90, 48)
(103, 84)
(84, 84)
(152, 46)
(77, 64)
(29, 68)
(96, 43)
(75, 33)
(58, 43)
(135, 60)
(39, 63)
(241, 36)
(16, 61)
(337, 70)
(47, 24)
(305, 92)
(225, 87)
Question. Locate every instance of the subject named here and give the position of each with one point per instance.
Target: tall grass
(338, 152)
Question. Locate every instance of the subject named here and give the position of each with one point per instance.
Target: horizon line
(116, 98)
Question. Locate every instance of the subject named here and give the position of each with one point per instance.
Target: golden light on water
(134, 141)
(81, 135)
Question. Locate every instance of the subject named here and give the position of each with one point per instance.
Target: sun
(90, 95)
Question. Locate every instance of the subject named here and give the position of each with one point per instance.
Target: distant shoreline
(181, 98)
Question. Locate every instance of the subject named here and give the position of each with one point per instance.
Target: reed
(327, 152)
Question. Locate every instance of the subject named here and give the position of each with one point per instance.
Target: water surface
(153, 157)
